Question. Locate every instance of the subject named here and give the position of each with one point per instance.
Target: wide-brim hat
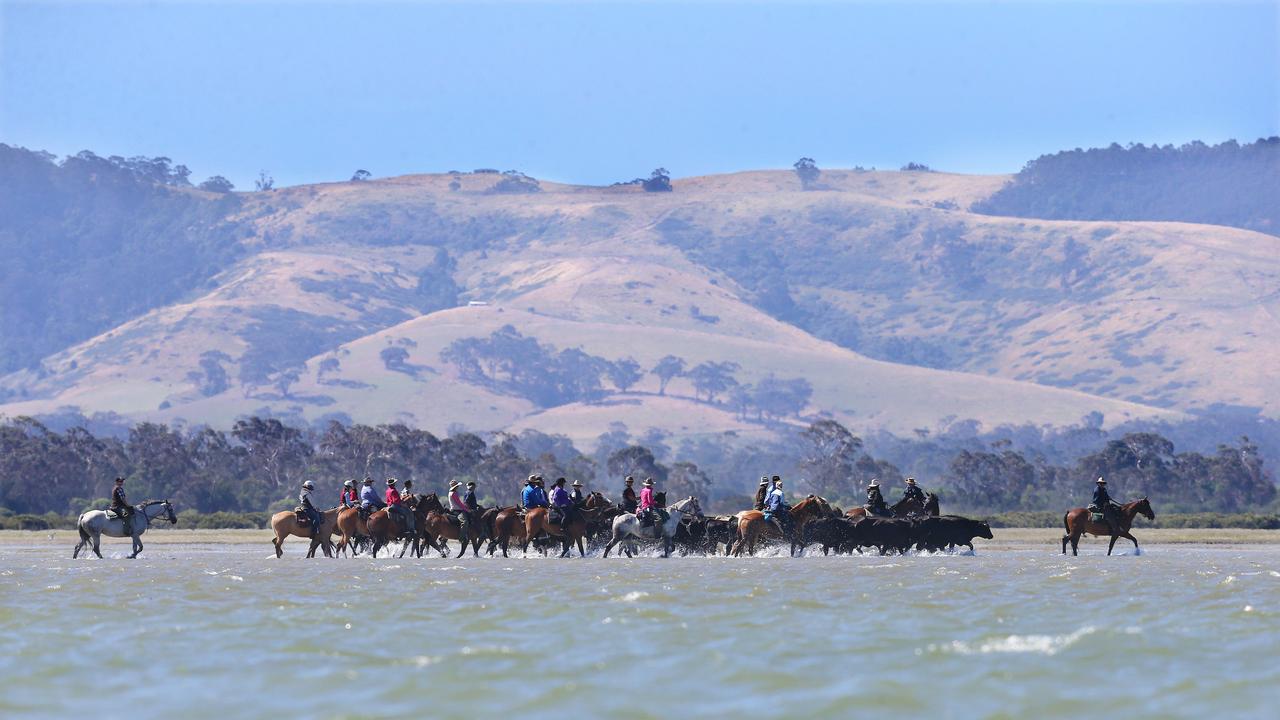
(777, 478)
(911, 481)
(764, 481)
(874, 483)
(308, 484)
(368, 480)
(1101, 481)
(348, 483)
(391, 481)
(577, 483)
(454, 485)
(648, 482)
(119, 479)
(628, 481)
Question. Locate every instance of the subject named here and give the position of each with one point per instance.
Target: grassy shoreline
(1003, 537)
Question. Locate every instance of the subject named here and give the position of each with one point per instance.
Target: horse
(627, 527)
(1077, 523)
(434, 523)
(538, 520)
(752, 526)
(285, 523)
(507, 524)
(902, 508)
(383, 530)
(95, 523)
(352, 528)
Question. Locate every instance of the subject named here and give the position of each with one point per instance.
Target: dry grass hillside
(901, 309)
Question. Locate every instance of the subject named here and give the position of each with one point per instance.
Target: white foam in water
(632, 596)
(1041, 644)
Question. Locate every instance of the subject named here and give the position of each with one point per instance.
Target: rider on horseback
(1102, 503)
(761, 493)
(533, 496)
(648, 510)
(579, 500)
(369, 501)
(348, 499)
(776, 508)
(913, 492)
(396, 507)
(875, 501)
(561, 503)
(313, 515)
(629, 501)
(458, 507)
(121, 507)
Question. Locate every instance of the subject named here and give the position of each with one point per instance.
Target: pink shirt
(646, 498)
(455, 502)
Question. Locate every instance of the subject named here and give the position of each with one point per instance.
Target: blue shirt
(775, 501)
(533, 497)
(369, 498)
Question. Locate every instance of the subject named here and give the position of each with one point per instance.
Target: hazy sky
(603, 92)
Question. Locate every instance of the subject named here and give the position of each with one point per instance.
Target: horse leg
(609, 545)
(1112, 545)
(582, 550)
(1135, 543)
(462, 549)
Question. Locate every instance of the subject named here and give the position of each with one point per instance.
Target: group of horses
(597, 519)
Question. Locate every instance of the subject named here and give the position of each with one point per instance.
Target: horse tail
(1066, 524)
(84, 534)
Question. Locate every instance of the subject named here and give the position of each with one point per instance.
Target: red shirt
(348, 496)
(393, 496)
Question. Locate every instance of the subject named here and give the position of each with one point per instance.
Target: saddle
(301, 516)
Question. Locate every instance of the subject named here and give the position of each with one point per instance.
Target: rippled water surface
(227, 631)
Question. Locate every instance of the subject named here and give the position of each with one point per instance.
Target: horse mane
(152, 501)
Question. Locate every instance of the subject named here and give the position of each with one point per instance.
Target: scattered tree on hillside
(516, 182)
(659, 181)
(808, 172)
(396, 359)
(509, 362)
(217, 184)
(361, 176)
(667, 369)
(212, 378)
(713, 378)
(286, 378)
(916, 167)
(624, 373)
(779, 398)
(264, 182)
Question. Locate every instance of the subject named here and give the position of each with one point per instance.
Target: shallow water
(229, 631)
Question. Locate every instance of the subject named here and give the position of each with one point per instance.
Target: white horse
(626, 528)
(95, 523)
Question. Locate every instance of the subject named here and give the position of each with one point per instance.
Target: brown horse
(350, 526)
(435, 525)
(285, 523)
(752, 526)
(508, 525)
(538, 520)
(383, 530)
(1077, 523)
(902, 508)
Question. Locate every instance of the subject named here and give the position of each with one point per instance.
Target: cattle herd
(844, 535)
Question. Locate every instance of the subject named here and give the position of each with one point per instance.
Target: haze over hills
(898, 306)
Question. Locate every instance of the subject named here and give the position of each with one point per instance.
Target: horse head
(688, 506)
(166, 511)
(430, 503)
(931, 504)
(1144, 508)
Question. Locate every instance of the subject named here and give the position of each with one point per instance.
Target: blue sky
(595, 93)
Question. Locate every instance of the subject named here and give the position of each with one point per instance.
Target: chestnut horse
(902, 508)
(538, 520)
(383, 530)
(752, 526)
(351, 526)
(285, 523)
(1078, 523)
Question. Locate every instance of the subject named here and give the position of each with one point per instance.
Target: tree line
(259, 464)
(1224, 184)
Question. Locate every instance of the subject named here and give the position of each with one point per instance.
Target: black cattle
(948, 531)
(884, 534)
(831, 533)
(720, 531)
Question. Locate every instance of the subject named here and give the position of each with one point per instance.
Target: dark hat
(776, 478)
(368, 480)
(119, 479)
(391, 481)
(560, 481)
(629, 480)
(471, 483)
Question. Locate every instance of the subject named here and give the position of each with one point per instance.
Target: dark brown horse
(384, 530)
(752, 526)
(508, 525)
(436, 526)
(1078, 522)
(902, 508)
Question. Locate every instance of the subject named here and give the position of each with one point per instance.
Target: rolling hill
(902, 309)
